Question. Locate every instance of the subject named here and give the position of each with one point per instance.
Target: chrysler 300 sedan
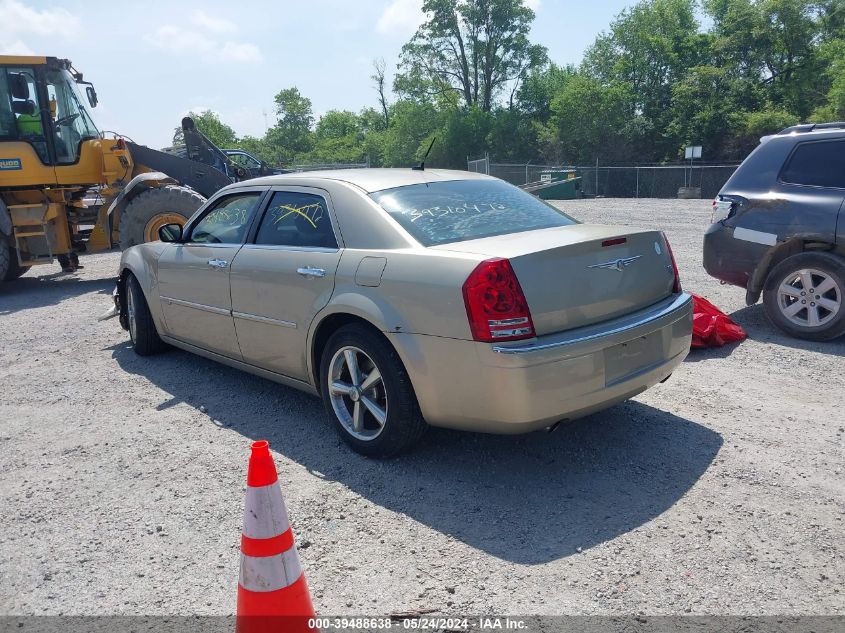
(407, 298)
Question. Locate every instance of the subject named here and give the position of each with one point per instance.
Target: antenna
(421, 166)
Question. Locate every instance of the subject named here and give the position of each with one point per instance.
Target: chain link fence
(636, 181)
(479, 166)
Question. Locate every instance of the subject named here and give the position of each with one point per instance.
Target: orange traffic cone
(272, 592)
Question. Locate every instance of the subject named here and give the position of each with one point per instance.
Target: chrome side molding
(262, 319)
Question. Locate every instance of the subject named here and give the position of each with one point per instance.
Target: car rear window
(818, 164)
(459, 210)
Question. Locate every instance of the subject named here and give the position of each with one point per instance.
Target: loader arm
(200, 177)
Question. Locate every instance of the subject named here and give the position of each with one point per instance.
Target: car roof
(368, 179)
(814, 127)
(806, 131)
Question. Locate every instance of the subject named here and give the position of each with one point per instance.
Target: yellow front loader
(66, 188)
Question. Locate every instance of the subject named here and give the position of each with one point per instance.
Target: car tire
(142, 329)
(816, 316)
(9, 267)
(391, 393)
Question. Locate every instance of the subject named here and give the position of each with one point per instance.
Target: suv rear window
(819, 164)
(455, 211)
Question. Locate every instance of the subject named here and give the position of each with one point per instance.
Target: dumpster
(556, 184)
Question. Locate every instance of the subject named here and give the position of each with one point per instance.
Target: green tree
(513, 135)
(379, 77)
(257, 147)
(705, 111)
(291, 136)
(373, 128)
(649, 48)
(338, 138)
(591, 121)
(774, 45)
(471, 48)
(535, 94)
(411, 124)
(209, 123)
(792, 67)
(833, 108)
(337, 124)
(460, 133)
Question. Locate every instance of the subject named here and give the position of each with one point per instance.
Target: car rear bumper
(524, 386)
(729, 259)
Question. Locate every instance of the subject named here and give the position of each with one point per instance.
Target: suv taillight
(496, 306)
(676, 288)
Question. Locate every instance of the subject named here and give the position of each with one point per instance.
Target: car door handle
(307, 271)
(218, 263)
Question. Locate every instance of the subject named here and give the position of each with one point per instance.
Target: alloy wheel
(809, 297)
(131, 315)
(357, 393)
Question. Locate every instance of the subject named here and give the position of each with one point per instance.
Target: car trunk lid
(581, 274)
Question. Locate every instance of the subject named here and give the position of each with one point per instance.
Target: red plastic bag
(711, 327)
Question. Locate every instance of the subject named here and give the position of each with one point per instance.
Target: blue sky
(153, 61)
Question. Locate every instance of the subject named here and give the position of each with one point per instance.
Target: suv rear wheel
(805, 296)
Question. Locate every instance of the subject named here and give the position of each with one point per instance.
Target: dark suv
(779, 230)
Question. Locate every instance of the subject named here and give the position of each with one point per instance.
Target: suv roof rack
(813, 127)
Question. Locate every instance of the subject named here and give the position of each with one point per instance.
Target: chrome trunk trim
(592, 332)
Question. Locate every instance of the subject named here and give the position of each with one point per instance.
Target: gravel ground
(122, 478)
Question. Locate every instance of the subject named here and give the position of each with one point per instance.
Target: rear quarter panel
(419, 292)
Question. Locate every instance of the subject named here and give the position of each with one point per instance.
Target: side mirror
(92, 96)
(170, 233)
(18, 86)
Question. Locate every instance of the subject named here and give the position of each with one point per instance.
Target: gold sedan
(407, 298)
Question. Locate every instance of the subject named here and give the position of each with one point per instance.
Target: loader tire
(9, 267)
(153, 208)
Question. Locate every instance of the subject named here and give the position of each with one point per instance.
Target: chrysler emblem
(617, 264)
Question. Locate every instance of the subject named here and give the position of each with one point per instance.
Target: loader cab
(41, 106)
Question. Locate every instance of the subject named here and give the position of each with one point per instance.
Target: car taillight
(495, 303)
(677, 285)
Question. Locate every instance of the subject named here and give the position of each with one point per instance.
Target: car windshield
(459, 210)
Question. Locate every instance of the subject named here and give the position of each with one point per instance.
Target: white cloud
(176, 39)
(212, 23)
(16, 17)
(401, 17)
(17, 21)
(15, 48)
